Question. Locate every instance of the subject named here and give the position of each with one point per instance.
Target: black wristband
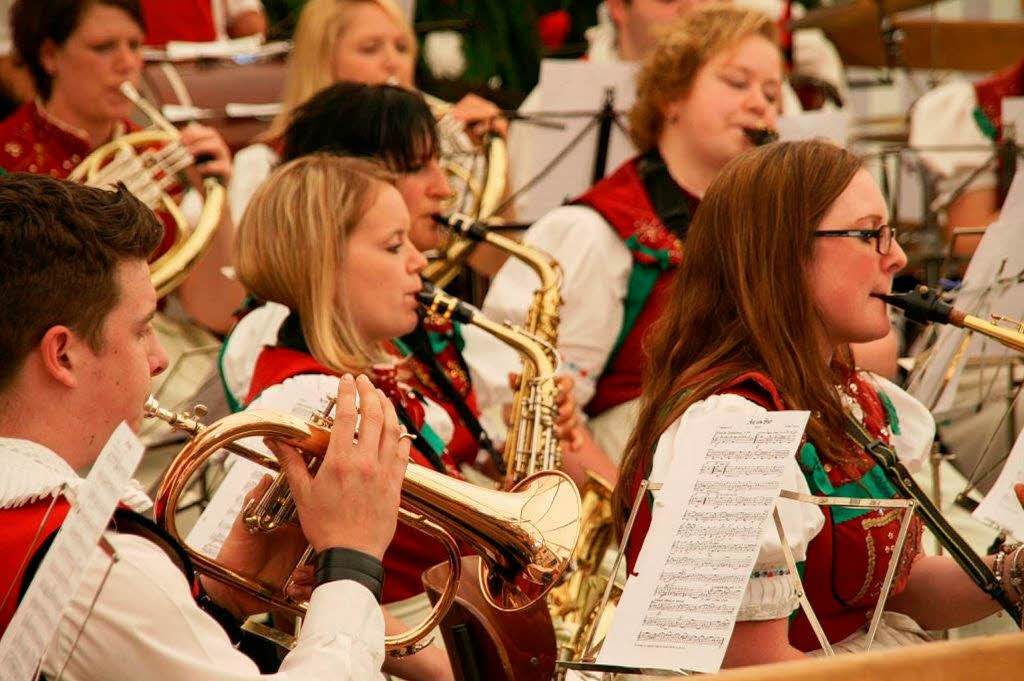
(341, 563)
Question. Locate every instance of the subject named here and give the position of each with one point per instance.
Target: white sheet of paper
(1000, 506)
(59, 575)
(831, 124)
(1000, 254)
(569, 85)
(678, 611)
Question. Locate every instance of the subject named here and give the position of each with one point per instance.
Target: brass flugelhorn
(149, 162)
(524, 537)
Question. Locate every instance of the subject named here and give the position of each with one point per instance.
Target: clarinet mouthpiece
(921, 305)
(761, 136)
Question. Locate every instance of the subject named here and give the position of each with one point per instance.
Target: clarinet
(924, 305)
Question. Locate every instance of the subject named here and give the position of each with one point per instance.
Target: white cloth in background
(596, 265)
(252, 165)
(145, 623)
(945, 117)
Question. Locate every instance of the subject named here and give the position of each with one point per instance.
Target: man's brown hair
(60, 244)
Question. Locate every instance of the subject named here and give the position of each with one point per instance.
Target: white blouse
(595, 265)
(945, 117)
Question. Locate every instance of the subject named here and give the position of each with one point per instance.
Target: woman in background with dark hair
(394, 126)
(737, 337)
(78, 53)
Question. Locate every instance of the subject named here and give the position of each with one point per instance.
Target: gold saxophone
(572, 603)
(522, 458)
(531, 445)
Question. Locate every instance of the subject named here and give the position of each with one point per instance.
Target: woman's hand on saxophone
(568, 428)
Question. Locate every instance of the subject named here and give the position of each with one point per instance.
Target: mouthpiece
(761, 136)
(463, 225)
(921, 305)
(436, 301)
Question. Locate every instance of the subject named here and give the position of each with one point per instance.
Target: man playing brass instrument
(75, 309)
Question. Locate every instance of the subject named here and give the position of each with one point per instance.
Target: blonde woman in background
(364, 41)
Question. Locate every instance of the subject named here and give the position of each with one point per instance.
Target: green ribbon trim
(873, 485)
(988, 128)
(438, 341)
(233, 404)
(642, 278)
(890, 411)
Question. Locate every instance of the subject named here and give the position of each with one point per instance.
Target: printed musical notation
(679, 609)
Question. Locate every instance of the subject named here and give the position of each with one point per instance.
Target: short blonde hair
(291, 240)
(319, 28)
(687, 44)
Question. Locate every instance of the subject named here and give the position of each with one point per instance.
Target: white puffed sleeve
(945, 117)
(243, 346)
(252, 165)
(913, 437)
(770, 594)
(596, 265)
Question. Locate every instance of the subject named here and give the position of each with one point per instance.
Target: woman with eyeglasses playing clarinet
(784, 260)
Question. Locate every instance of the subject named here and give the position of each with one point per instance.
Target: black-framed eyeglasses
(883, 236)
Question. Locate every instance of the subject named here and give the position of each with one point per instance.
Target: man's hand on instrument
(209, 149)
(268, 557)
(480, 117)
(352, 501)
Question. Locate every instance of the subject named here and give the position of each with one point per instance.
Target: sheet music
(36, 619)
(212, 527)
(1000, 506)
(678, 611)
(567, 85)
(999, 255)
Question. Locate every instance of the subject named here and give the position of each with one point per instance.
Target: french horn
(525, 537)
(149, 162)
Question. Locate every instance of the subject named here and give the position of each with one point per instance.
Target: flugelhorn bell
(525, 537)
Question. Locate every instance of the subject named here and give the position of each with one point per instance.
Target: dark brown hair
(60, 244)
(33, 22)
(741, 300)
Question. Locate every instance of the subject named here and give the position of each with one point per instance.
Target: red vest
(847, 560)
(190, 20)
(463, 446)
(18, 527)
(622, 201)
(1008, 82)
(411, 552)
(31, 142)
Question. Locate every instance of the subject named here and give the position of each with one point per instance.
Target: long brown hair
(741, 301)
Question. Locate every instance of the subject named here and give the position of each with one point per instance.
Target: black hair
(33, 22)
(60, 244)
(387, 123)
